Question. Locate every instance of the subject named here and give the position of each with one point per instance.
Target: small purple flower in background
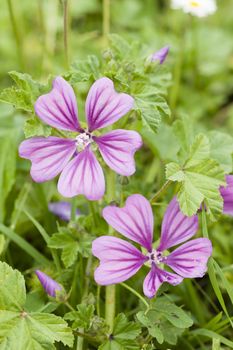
(50, 286)
(227, 195)
(160, 55)
(120, 260)
(52, 155)
(62, 210)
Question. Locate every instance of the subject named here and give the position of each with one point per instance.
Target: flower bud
(50, 286)
(159, 55)
(62, 210)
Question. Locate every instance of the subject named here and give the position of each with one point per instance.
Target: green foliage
(84, 318)
(20, 328)
(71, 244)
(123, 336)
(33, 127)
(84, 70)
(221, 149)
(24, 94)
(7, 167)
(200, 178)
(132, 76)
(165, 321)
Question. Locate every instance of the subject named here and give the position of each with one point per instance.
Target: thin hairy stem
(159, 192)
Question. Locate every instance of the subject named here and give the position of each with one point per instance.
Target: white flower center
(156, 257)
(83, 140)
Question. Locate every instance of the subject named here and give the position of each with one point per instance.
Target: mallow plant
(97, 273)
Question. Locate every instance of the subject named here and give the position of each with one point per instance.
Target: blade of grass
(212, 335)
(211, 269)
(225, 282)
(39, 227)
(46, 237)
(23, 244)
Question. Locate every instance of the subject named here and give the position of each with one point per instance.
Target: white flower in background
(199, 8)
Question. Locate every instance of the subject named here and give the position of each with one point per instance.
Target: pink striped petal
(190, 259)
(104, 106)
(82, 175)
(59, 108)
(117, 148)
(119, 260)
(134, 221)
(176, 227)
(227, 195)
(156, 277)
(49, 156)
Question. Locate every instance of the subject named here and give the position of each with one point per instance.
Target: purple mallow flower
(119, 260)
(160, 55)
(227, 195)
(52, 155)
(50, 286)
(62, 210)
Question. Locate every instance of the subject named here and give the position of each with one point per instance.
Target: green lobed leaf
(174, 314)
(17, 98)
(20, 329)
(123, 336)
(84, 70)
(24, 94)
(23, 331)
(12, 288)
(165, 321)
(68, 244)
(82, 317)
(123, 329)
(151, 111)
(221, 149)
(200, 178)
(34, 127)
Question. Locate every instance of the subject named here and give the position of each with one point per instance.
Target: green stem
(80, 339)
(139, 296)
(159, 192)
(211, 268)
(69, 306)
(152, 171)
(66, 30)
(106, 20)
(204, 222)
(175, 89)
(98, 300)
(110, 301)
(17, 35)
(28, 248)
(196, 75)
(92, 210)
(73, 208)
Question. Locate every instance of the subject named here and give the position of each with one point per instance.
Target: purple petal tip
(62, 210)
(160, 55)
(49, 285)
